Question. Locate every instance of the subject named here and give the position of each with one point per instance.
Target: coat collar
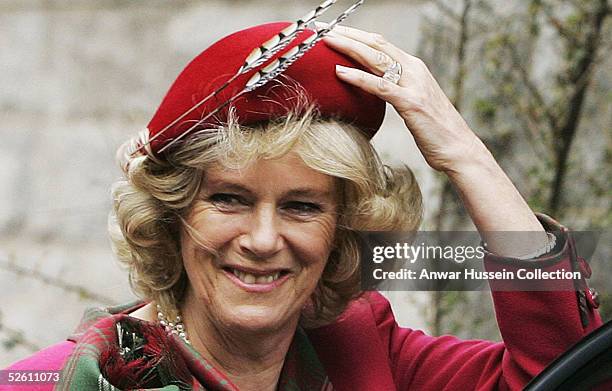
(352, 351)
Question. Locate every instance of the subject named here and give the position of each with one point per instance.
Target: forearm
(495, 205)
(444, 139)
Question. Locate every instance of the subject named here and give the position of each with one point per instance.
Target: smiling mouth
(249, 278)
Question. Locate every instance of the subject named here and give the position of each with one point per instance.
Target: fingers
(378, 55)
(375, 85)
(373, 40)
(377, 61)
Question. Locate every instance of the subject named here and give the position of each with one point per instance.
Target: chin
(259, 319)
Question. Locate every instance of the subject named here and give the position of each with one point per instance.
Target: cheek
(209, 230)
(204, 236)
(314, 241)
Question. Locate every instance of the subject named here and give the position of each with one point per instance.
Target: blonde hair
(150, 203)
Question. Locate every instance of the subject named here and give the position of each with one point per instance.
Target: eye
(303, 208)
(228, 200)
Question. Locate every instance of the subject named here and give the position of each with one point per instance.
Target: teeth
(248, 278)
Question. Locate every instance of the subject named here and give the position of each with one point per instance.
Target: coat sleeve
(536, 327)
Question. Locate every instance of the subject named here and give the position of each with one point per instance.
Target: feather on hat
(219, 78)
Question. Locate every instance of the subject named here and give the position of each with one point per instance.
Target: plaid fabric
(97, 333)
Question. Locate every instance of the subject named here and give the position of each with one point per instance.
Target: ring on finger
(393, 72)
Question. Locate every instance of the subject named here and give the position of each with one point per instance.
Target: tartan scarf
(117, 352)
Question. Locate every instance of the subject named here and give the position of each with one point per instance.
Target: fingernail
(342, 69)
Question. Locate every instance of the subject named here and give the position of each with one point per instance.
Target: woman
(239, 233)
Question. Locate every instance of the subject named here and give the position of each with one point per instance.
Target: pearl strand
(177, 327)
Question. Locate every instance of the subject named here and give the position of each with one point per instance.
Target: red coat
(366, 350)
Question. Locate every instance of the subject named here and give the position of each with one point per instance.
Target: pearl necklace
(177, 327)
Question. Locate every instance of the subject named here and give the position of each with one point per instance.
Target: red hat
(313, 74)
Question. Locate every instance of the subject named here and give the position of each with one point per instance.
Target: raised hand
(443, 137)
(440, 132)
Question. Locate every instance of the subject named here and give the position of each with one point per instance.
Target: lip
(256, 288)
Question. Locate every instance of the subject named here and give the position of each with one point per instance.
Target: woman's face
(270, 227)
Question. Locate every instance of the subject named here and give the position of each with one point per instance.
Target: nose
(262, 238)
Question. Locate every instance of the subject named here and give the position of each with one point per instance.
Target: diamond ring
(393, 73)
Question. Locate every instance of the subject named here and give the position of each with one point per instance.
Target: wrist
(490, 197)
(477, 164)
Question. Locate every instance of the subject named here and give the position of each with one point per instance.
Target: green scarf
(115, 351)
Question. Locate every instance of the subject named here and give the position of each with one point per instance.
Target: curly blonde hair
(149, 205)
